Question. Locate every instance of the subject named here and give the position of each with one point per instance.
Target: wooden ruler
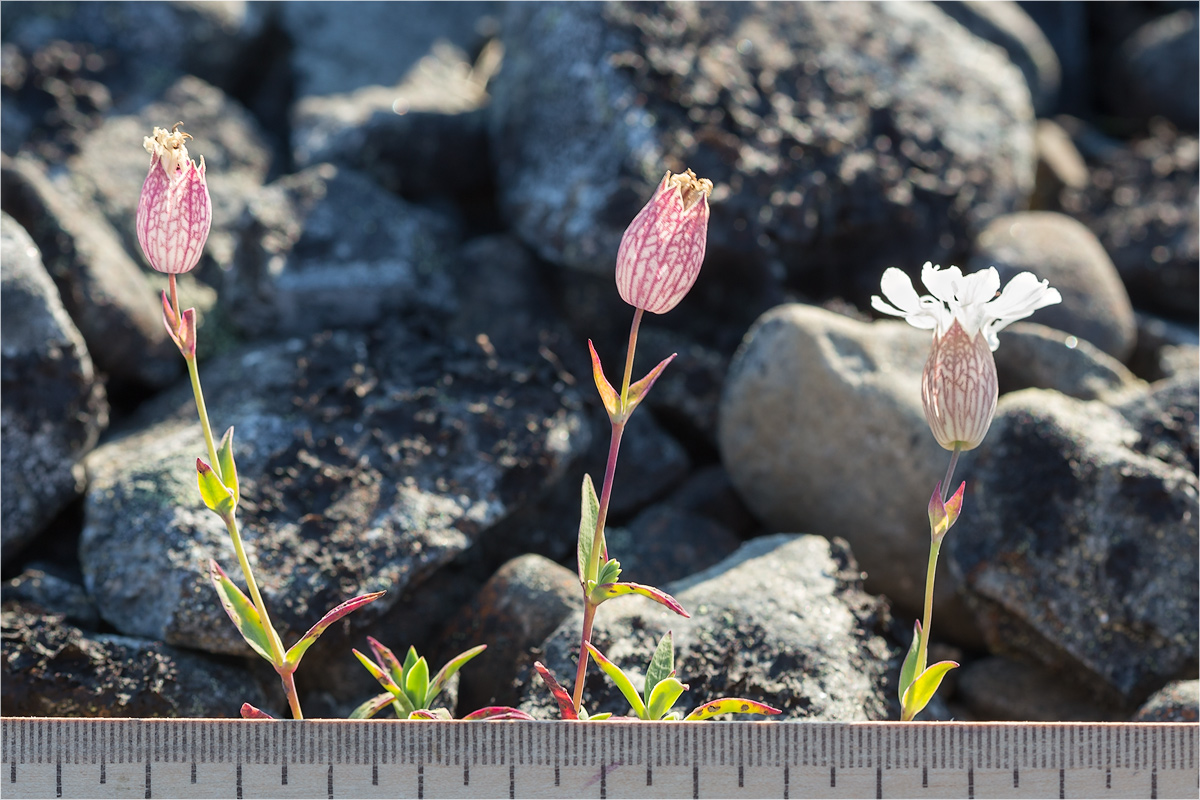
(342, 759)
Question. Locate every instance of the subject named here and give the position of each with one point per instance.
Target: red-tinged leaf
(954, 505)
(243, 613)
(566, 707)
(447, 672)
(387, 659)
(607, 591)
(497, 712)
(385, 680)
(214, 493)
(422, 713)
(373, 706)
(609, 396)
(250, 712)
(620, 680)
(187, 331)
(298, 649)
(639, 390)
(730, 705)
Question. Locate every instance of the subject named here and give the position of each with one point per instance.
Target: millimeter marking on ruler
(182, 758)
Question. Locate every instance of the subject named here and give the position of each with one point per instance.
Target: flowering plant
(959, 389)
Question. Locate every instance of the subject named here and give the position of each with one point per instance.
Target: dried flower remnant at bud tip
(174, 212)
(662, 249)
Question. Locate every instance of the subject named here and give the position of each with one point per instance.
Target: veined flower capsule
(174, 212)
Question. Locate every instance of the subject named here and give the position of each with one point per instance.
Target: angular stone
(783, 621)
(53, 406)
(1079, 550)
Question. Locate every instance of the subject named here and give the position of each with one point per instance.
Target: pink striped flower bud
(662, 249)
(174, 212)
(959, 388)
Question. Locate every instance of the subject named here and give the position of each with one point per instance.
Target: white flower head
(970, 299)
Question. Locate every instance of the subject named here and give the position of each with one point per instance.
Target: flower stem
(289, 688)
(202, 411)
(935, 546)
(174, 294)
(589, 617)
(950, 472)
(633, 334)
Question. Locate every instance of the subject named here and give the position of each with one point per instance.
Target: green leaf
(608, 591)
(212, 491)
(589, 513)
(584, 716)
(373, 706)
(410, 661)
(299, 648)
(923, 688)
(243, 613)
(449, 669)
(639, 390)
(662, 665)
(386, 682)
(610, 571)
(228, 469)
(621, 681)
(663, 697)
(730, 705)
(416, 683)
(909, 670)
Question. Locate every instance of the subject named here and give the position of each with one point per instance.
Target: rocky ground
(416, 212)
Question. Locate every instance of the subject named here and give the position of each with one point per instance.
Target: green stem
(633, 334)
(202, 410)
(923, 650)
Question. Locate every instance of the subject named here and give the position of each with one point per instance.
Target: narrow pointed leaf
(225, 464)
(608, 395)
(243, 613)
(387, 659)
(610, 590)
(954, 505)
(373, 706)
(730, 705)
(663, 697)
(603, 716)
(662, 665)
(910, 668)
(416, 683)
(639, 390)
(298, 649)
(620, 680)
(385, 680)
(923, 688)
(589, 513)
(250, 712)
(212, 491)
(410, 660)
(566, 706)
(496, 713)
(447, 672)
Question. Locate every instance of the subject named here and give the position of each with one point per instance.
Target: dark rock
(53, 407)
(1165, 349)
(783, 621)
(1059, 249)
(1065, 26)
(1175, 702)
(651, 463)
(104, 291)
(366, 462)
(667, 544)
(687, 396)
(1059, 166)
(1142, 204)
(998, 688)
(891, 130)
(44, 589)
(1078, 547)
(709, 493)
(513, 613)
(1006, 25)
(1157, 71)
(1033, 356)
(327, 247)
(52, 669)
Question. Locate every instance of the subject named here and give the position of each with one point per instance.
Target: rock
(53, 407)
(685, 399)
(1142, 204)
(821, 429)
(365, 462)
(104, 291)
(1059, 166)
(783, 621)
(1006, 25)
(1065, 26)
(1175, 702)
(891, 130)
(328, 248)
(651, 463)
(1157, 69)
(410, 138)
(1059, 249)
(1165, 349)
(1079, 547)
(667, 544)
(52, 669)
(515, 611)
(709, 493)
(337, 51)
(1033, 356)
(42, 588)
(997, 688)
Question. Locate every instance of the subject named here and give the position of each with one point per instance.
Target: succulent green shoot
(664, 695)
(922, 689)
(610, 572)
(225, 465)
(216, 496)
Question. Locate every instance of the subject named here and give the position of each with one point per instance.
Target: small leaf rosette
(959, 386)
(662, 249)
(174, 212)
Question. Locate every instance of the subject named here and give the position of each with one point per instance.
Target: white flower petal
(898, 289)
(979, 287)
(942, 283)
(1023, 295)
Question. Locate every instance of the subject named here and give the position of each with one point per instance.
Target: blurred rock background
(416, 211)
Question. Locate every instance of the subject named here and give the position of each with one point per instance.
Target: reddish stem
(589, 616)
(174, 297)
